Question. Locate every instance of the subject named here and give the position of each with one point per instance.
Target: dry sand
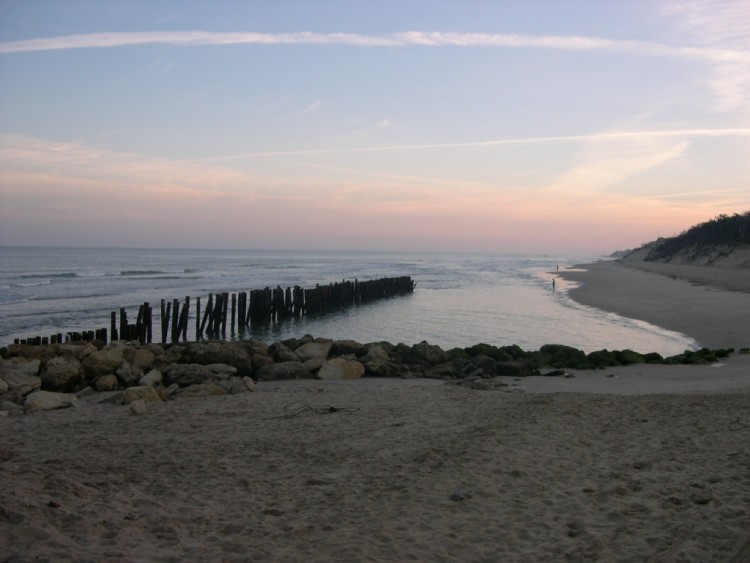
(399, 470)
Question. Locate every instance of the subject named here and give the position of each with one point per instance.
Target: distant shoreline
(694, 300)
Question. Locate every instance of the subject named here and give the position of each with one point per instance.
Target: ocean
(459, 300)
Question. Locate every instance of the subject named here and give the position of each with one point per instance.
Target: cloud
(724, 25)
(721, 25)
(405, 39)
(607, 136)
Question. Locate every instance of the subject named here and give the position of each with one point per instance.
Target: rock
(347, 347)
(254, 346)
(48, 400)
(227, 353)
(314, 364)
(382, 368)
(374, 352)
(103, 362)
(79, 351)
(443, 371)
(106, 383)
(484, 363)
(282, 353)
(140, 359)
(187, 374)
(283, 370)
(140, 392)
(339, 368)
(429, 353)
(314, 350)
(62, 373)
(201, 390)
(222, 371)
(32, 352)
(260, 360)
(138, 407)
(250, 384)
(402, 354)
(3, 386)
(19, 366)
(234, 386)
(20, 374)
(562, 356)
(127, 375)
(153, 378)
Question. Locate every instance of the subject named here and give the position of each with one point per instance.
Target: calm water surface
(460, 300)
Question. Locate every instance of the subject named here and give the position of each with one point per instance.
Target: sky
(543, 126)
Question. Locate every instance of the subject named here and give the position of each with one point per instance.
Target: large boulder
(382, 368)
(562, 356)
(185, 375)
(429, 353)
(76, 349)
(62, 373)
(377, 362)
(260, 360)
(236, 385)
(313, 350)
(153, 378)
(348, 348)
(128, 375)
(49, 400)
(103, 362)
(282, 353)
(339, 368)
(140, 358)
(222, 371)
(21, 374)
(283, 370)
(374, 352)
(228, 353)
(32, 352)
(106, 383)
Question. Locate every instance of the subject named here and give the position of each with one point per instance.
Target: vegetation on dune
(728, 230)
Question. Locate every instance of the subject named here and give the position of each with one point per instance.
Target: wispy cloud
(405, 39)
(607, 136)
(725, 25)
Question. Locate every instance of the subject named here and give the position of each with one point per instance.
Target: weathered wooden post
(175, 318)
(123, 324)
(183, 321)
(208, 314)
(197, 318)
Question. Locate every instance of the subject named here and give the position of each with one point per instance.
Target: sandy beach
(644, 463)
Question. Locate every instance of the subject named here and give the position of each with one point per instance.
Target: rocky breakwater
(36, 378)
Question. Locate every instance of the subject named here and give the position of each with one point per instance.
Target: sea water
(459, 300)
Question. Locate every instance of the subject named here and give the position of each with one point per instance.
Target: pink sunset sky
(335, 125)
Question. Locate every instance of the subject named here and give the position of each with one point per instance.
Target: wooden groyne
(236, 312)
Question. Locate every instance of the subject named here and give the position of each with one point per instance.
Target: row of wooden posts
(237, 311)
